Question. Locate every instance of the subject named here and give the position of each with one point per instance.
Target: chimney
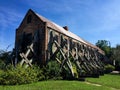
(66, 28)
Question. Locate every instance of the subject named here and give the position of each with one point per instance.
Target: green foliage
(10, 75)
(66, 74)
(2, 64)
(116, 57)
(52, 70)
(75, 70)
(102, 43)
(5, 56)
(107, 82)
(109, 68)
(56, 85)
(105, 46)
(20, 75)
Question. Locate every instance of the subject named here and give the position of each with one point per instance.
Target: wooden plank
(24, 56)
(25, 59)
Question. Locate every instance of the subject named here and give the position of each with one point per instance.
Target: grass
(55, 85)
(108, 82)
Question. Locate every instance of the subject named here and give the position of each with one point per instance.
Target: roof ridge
(60, 29)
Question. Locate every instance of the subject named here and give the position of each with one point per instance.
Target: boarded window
(26, 41)
(29, 19)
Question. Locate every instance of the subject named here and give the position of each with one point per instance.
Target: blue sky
(92, 20)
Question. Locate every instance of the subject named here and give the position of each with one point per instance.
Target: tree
(5, 57)
(105, 46)
(116, 56)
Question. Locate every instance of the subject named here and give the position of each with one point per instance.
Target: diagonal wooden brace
(24, 56)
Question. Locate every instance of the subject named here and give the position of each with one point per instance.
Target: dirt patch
(93, 84)
(115, 72)
(100, 85)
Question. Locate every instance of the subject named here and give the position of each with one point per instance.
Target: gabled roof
(62, 30)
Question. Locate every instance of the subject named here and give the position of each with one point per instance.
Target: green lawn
(108, 82)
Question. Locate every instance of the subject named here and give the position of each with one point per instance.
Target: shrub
(53, 70)
(109, 68)
(2, 64)
(20, 75)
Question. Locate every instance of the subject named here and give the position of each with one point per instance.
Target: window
(29, 19)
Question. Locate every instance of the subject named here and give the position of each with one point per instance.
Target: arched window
(29, 19)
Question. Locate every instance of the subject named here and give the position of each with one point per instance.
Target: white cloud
(9, 16)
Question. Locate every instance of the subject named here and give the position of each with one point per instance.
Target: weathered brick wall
(35, 25)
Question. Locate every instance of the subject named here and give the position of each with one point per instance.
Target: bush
(20, 75)
(52, 70)
(109, 68)
(2, 64)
